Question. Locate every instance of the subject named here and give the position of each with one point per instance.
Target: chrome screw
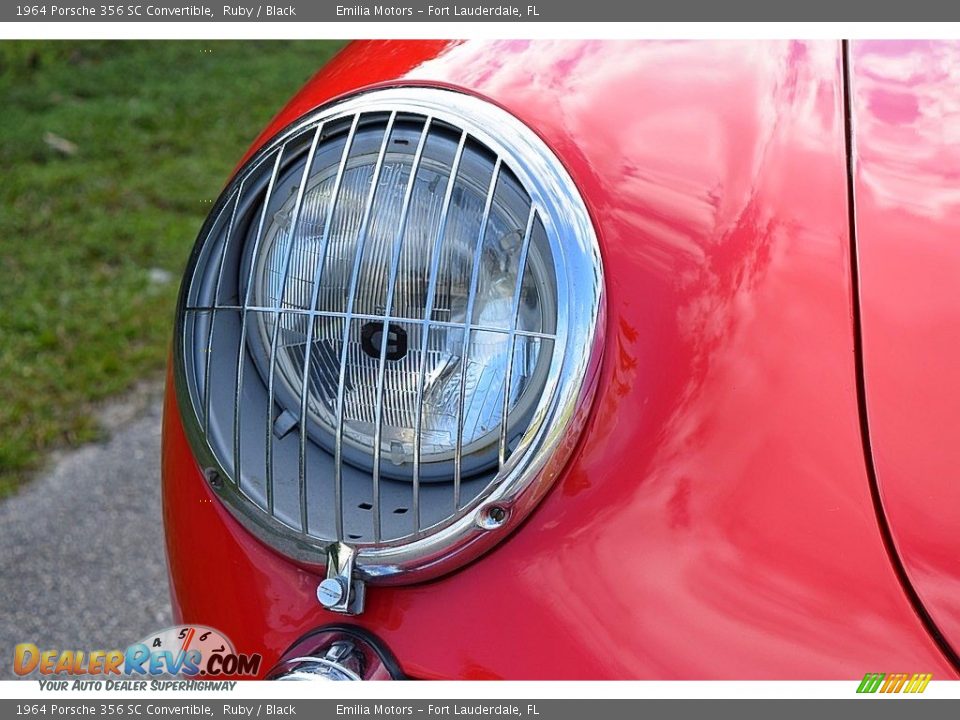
(331, 592)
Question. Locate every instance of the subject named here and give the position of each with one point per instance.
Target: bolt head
(331, 592)
(213, 477)
(492, 517)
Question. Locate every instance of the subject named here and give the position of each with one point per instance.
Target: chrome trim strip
(241, 347)
(213, 313)
(467, 326)
(511, 340)
(347, 322)
(391, 289)
(315, 295)
(427, 317)
(294, 221)
(368, 316)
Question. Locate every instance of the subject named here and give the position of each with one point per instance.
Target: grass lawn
(109, 155)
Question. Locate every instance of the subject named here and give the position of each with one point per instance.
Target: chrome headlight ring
(303, 498)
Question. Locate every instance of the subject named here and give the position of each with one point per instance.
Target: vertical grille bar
(347, 322)
(294, 220)
(512, 339)
(243, 322)
(427, 316)
(213, 312)
(468, 320)
(311, 321)
(391, 289)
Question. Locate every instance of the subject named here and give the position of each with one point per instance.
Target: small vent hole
(365, 506)
(400, 511)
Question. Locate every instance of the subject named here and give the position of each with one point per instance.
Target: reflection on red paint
(907, 114)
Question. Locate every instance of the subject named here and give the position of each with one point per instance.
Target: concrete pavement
(81, 547)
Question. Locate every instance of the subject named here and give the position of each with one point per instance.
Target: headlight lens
(389, 331)
(313, 265)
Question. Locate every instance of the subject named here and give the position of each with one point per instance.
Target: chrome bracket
(340, 591)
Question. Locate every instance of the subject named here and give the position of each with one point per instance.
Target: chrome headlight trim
(555, 426)
(337, 653)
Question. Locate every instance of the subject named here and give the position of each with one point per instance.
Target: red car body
(766, 484)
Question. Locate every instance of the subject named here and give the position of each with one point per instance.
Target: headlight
(347, 268)
(388, 328)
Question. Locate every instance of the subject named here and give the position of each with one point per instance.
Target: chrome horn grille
(388, 330)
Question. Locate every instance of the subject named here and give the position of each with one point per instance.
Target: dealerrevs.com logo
(191, 651)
